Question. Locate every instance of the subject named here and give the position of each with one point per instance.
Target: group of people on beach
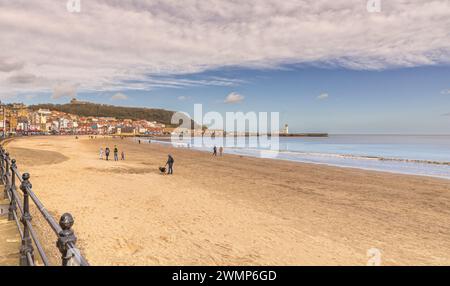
(220, 151)
(169, 164)
(107, 151)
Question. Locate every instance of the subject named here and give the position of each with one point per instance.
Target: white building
(43, 114)
(286, 129)
(64, 123)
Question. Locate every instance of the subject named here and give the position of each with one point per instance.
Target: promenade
(9, 240)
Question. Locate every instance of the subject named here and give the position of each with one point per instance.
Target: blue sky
(326, 66)
(401, 101)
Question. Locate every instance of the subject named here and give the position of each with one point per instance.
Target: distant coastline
(304, 135)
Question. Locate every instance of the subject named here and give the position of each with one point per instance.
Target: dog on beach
(162, 170)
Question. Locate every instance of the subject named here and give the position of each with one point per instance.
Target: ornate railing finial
(66, 236)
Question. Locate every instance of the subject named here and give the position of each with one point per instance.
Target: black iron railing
(20, 201)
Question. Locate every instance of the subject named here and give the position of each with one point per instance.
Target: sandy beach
(232, 210)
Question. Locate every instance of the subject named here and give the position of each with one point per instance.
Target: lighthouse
(286, 129)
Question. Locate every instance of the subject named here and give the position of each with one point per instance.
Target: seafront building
(18, 119)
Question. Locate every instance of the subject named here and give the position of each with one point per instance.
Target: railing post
(66, 236)
(12, 188)
(2, 165)
(6, 163)
(5, 195)
(27, 247)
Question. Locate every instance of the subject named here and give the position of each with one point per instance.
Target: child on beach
(221, 151)
(101, 153)
(215, 151)
(122, 156)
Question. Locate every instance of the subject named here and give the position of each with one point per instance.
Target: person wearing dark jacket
(107, 153)
(116, 153)
(169, 163)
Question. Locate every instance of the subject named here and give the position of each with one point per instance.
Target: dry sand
(232, 210)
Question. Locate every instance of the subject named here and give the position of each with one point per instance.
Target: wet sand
(232, 210)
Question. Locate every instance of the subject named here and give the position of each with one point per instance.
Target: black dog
(162, 169)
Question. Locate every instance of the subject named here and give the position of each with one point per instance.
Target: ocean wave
(407, 166)
(309, 154)
(359, 157)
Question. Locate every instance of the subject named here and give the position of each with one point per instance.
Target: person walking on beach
(101, 153)
(169, 163)
(116, 153)
(215, 151)
(122, 156)
(221, 151)
(107, 153)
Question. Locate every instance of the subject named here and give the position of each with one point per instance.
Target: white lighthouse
(286, 129)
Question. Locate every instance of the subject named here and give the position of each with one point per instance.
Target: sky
(325, 66)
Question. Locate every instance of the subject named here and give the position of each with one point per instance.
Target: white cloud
(119, 96)
(22, 78)
(234, 98)
(322, 96)
(9, 65)
(445, 91)
(64, 90)
(182, 97)
(127, 44)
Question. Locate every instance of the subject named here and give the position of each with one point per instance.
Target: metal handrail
(66, 242)
(14, 217)
(48, 217)
(13, 193)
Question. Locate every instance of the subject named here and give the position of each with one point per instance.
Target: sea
(426, 155)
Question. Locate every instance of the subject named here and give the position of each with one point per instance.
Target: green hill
(102, 110)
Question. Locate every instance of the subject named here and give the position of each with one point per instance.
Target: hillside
(102, 110)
